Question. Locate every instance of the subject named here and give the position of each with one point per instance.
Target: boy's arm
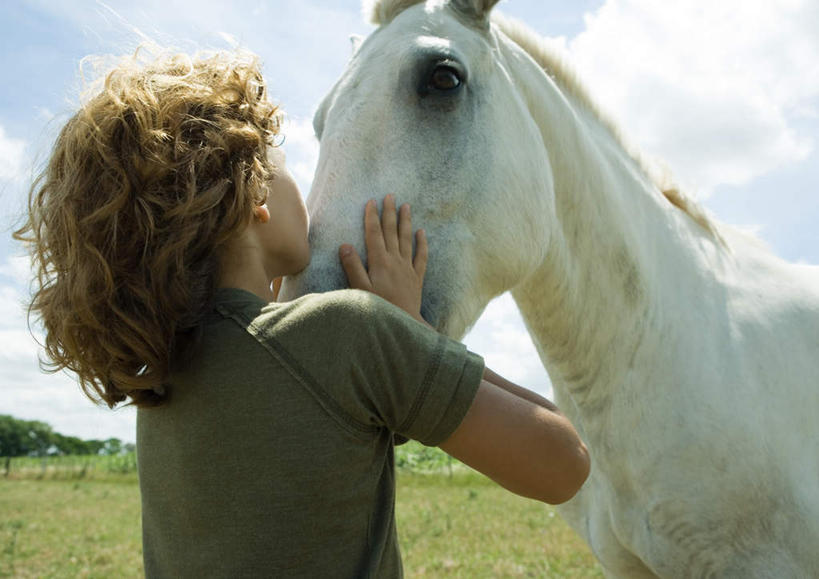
(512, 435)
(520, 391)
(520, 443)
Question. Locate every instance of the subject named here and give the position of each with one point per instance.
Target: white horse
(686, 354)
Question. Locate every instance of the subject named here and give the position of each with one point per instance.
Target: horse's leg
(589, 517)
(618, 561)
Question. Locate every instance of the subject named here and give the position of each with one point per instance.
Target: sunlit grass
(69, 529)
(466, 526)
(451, 522)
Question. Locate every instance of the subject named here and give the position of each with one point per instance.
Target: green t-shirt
(274, 454)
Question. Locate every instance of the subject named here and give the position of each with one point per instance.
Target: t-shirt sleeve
(379, 367)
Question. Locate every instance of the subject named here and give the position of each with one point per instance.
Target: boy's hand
(393, 273)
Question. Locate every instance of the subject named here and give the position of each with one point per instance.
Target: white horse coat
(686, 354)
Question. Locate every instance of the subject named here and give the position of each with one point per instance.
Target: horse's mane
(551, 58)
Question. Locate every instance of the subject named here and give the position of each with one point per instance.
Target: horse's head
(428, 109)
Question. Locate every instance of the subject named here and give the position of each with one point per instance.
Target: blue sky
(726, 92)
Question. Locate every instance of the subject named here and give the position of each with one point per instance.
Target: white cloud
(17, 268)
(303, 43)
(12, 308)
(229, 39)
(27, 392)
(30, 394)
(716, 89)
(16, 344)
(44, 114)
(12, 154)
(500, 336)
(302, 150)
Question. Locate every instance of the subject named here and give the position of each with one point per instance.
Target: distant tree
(69, 445)
(112, 446)
(35, 438)
(12, 437)
(95, 446)
(40, 436)
(24, 437)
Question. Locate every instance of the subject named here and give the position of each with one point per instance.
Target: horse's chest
(662, 531)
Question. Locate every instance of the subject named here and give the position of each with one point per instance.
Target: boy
(265, 430)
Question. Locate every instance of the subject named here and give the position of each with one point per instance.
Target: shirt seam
(297, 371)
(458, 403)
(426, 384)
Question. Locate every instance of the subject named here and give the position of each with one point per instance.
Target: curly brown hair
(145, 184)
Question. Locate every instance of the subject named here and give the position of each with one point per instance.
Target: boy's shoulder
(355, 318)
(343, 324)
(349, 315)
(348, 304)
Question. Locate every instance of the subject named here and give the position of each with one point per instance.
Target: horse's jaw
(453, 299)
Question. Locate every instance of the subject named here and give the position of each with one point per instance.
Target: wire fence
(71, 467)
(410, 457)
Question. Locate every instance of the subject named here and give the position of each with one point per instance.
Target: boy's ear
(261, 213)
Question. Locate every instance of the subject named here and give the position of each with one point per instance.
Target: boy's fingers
(421, 254)
(388, 224)
(373, 237)
(356, 274)
(405, 231)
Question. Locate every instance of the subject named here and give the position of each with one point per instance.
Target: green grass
(467, 526)
(80, 517)
(54, 528)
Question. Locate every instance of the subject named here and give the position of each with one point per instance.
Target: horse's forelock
(381, 12)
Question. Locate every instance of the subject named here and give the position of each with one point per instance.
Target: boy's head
(146, 184)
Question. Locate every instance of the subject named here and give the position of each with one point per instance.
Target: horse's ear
(356, 40)
(475, 10)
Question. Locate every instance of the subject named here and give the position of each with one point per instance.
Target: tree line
(35, 438)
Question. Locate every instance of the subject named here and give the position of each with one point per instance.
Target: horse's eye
(444, 78)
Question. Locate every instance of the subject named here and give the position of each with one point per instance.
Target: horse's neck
(600, 296)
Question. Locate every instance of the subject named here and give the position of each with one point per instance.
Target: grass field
(453, 525)
(467, 526)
